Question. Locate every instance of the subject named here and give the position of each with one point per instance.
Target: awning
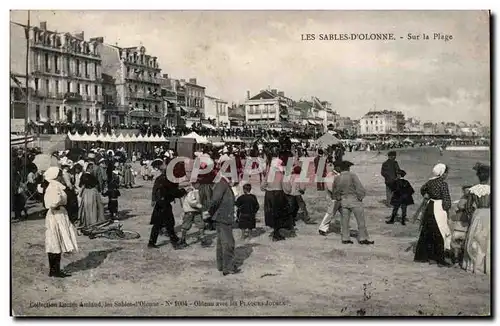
(208, 126)
(140, 114)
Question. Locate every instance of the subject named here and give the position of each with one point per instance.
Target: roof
(195, 85)
(264, 95)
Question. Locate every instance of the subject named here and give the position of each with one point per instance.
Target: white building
(379, 122)
(216, 109)
(269, 106)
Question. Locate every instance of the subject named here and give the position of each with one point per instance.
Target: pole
(27, 110)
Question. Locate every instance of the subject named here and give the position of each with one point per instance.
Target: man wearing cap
(222, 211)
(347, 189)
(163, 194)
(389, 171)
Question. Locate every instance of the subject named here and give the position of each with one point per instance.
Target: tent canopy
(199, 139)
(327, 140)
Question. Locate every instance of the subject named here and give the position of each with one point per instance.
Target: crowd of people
(221, 199)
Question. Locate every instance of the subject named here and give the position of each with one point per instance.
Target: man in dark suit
(164, 193)
(222, 211)
(389, 171)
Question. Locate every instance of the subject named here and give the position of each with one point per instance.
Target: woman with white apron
(435, 234)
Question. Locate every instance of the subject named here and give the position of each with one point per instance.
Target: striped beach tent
(17, 140)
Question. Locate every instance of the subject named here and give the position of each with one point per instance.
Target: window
(144, 106)
(56, 63)
(37, 113)
(77, 67)
(48, 112)
(95, 71)
(86, 68)
(88, 114)
(87, 89)
(68, 65)
(96, 88)
(47, 85)
(58, 114)
(69, 86)
(128, 71)
(78, 88)
(156, 108)
(136, 105)
(57, 86)
(36, 84)
(96, 114)
(80, 114)
(46, 56)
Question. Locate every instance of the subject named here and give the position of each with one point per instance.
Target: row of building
(73, 79)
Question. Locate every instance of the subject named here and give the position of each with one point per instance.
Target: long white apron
(442, 221)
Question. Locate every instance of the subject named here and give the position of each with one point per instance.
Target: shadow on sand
(93, 260)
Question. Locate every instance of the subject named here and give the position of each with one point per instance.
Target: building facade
(136, 76)
(268, 106)
(171, 109)
(413, 125)
(195, 98)
(64, 71)
(216, 109)
(382, 122)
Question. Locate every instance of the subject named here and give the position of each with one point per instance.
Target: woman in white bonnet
(435, 234)
(60, 234)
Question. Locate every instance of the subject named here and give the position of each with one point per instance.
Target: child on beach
(193, 214)
(459, 224)
(113, 193)
(402, 197)
(247, 207)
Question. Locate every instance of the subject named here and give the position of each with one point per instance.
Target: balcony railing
(72, 97)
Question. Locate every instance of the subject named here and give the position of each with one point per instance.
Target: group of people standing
(467, 242)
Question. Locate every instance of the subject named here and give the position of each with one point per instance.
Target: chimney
(274, 91)
(43, 26)
(192, 81)
(165, 76)
(248, 95)
(281, 94)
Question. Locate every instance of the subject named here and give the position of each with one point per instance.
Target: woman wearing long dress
(435, 234)
(477, 257)
(276, 211)
(91, 209)
(60, 234)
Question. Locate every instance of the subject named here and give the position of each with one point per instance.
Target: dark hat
(391, 153)
(345, 165)
(480, 165)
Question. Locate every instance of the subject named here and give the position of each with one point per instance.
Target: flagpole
(27, 110)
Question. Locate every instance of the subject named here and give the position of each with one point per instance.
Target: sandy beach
(309, 275)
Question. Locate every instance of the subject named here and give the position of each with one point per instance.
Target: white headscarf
(51, 173)
(438, 170)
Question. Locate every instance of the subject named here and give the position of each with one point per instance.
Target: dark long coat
(402, 193)
(164, 193)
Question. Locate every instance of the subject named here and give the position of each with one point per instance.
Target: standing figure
(435, 234)
(320, 185)
(347, 189)
(192, 208)
(222, 211)
(163, 194)
(334, 205)
(91, 210)
(402, 196)
(113, 193)
(247, 206)
(389, 171)
(60, 234)
(477, 251)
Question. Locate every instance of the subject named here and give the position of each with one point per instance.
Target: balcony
(73, 97)
(40, 94)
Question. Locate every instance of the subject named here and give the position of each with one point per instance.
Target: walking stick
(419, 210)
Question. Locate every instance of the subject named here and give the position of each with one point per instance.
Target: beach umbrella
(45, 161)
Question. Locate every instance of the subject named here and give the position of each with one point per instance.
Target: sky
(232, 52)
